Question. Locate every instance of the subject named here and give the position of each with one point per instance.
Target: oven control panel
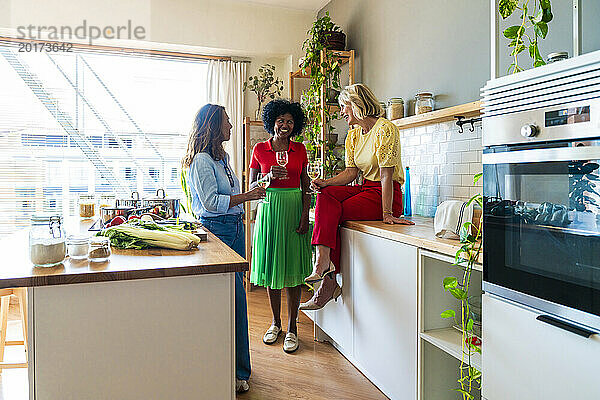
(566, 116)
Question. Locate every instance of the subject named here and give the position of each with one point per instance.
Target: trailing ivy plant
(535, 16)
(466, 257)
(324, 74)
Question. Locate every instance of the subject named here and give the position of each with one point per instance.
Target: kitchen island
(147, 324)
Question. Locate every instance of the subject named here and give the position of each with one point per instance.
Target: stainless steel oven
(541, 188)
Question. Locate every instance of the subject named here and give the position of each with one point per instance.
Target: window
(126, 130)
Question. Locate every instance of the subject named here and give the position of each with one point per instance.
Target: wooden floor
(315, 371)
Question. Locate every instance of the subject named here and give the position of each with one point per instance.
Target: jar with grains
(47, 246)
(423, 103)
(87, 206)
(395, 108)
(99, 250)
(77, 247)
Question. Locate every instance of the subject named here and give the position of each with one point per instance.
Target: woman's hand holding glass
(314, 171)
(264, 180)
(278, 172)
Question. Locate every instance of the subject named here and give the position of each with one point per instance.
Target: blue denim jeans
(230, 229)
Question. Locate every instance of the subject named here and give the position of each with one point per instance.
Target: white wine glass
(264, 180)
(282, 158)
(314, 171)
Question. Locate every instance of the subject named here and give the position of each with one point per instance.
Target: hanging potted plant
(265, 85)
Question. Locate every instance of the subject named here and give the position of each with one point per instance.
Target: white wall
(221, 27)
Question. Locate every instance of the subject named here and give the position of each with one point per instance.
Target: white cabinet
(527, 359)
(374, 322)
(385, 313)
(336, 318)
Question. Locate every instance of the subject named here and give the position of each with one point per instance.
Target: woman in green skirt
(281, 256)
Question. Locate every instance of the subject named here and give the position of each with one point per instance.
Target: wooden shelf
(344, 57)
(468, 110)
(449, 341)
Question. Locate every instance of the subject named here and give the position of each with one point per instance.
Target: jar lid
(39, 218)
(424, 94)
(396, 100)
(77, 239)
(559, 55)
(100, 240)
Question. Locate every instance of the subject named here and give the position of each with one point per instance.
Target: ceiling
(309, 5)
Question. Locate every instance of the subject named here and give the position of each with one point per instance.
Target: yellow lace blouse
(380, 147)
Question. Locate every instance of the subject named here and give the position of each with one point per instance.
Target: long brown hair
(206, 135)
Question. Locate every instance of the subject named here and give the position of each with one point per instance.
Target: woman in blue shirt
(217, 200)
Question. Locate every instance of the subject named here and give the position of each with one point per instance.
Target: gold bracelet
(388, 212)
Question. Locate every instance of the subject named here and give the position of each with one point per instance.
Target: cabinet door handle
(586, 333)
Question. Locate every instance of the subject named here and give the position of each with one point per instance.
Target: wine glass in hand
(314, 171)
(282, 158)
(264, 180)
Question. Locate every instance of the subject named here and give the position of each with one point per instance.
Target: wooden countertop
(211, 257)
(419, 235)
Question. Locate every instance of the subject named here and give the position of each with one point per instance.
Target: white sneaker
(241, 386)
(290, 344)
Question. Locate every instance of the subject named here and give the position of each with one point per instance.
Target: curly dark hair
(278, 107)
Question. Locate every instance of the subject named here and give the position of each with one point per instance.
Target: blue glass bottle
(407, 200)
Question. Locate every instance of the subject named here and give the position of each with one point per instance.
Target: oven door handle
(543, 155)
(586, 333)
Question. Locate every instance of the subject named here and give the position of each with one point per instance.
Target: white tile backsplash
(442, 164)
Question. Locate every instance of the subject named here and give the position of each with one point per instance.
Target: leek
(143, 236)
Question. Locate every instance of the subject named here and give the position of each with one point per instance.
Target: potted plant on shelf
(324, 75)
(535, 16)
(265, 85)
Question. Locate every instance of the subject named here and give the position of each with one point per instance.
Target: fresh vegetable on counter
(142, 235)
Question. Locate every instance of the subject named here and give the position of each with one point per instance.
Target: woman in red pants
(372, 147)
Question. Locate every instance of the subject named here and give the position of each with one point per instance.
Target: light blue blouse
(210, 187)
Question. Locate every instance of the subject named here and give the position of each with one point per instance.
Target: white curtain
(224, 87)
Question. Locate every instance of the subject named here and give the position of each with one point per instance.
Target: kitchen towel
(450, 217)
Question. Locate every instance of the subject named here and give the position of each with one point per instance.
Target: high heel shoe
(320, 299)
(315, 277)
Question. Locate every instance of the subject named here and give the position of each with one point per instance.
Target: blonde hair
(362, 100)
(206, 135)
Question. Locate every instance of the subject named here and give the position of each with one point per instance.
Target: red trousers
(336, 204)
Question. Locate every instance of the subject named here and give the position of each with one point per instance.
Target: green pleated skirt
(280, 256)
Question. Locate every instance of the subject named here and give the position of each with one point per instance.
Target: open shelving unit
(344, 57)
(440, 347)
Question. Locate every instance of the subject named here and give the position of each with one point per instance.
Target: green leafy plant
(466, 257)
(324, 69)
(535, 16)
(265, 85)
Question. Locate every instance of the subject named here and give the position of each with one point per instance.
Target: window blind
(89, 122)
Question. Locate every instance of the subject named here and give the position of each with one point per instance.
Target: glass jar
(395, 108)
(423, 103)
(107, 200)
(87, 206)
(47, 246)
(77, 247)
(99, 249)
(382, 104)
